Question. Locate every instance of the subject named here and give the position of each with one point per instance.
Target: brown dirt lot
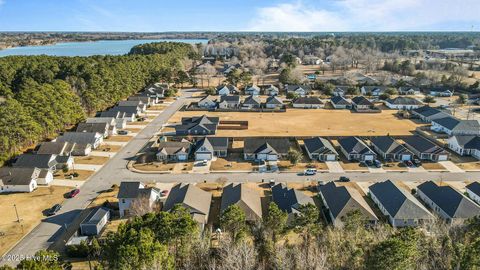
(285, 165)
(30, 207)
(300, 122)
(109, 148)
(82, 175)
(433, 166)
(469, 165)
(394, 166)
(155, 166)
(134, 130)
(118, 139)
(233, 162)
(91, 160)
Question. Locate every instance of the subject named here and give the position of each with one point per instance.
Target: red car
(73, 193)
(164, 193)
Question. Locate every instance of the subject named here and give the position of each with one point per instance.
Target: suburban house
(407, 90)
(271, 90)
(465, 145)
(320, 149)
(94, 139)
(453, 126)
(252, 90)
(201, 125)
(18, 179)
(311, 60)
(129, 112)
(290, 200)
(132, 191)
(372, 90)
(252, 102)
(300, 90)
(173, 151)
(48, 162)
(157, 90)
(340, 91)
(339, 102)
(141, 107)
(192, 198)
(55, 148)
(265, 149)
(145, 99)
(403, 103)
(447, 202)
(473, 191)
(427, 113)
(343, 200)
(308, 103)
(355, 149)
(246, 198)
(361, 103)
(425, 149)
(130, 117)
(400, 206)
(119, 123)
(209, 147)
(389, 149)
(45, 177)
(94, 223)
(102, 128)
(229, 102)
(274, 102)
(441, 93)
(207, 102)
(225, 90)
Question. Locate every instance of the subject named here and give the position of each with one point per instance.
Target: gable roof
(388, 145)
(18, 176)
(113, 114)
(422, 145)
(212, 143)
(204, 122)
(288, 199)
(252, 100)
(274, 100)
(354, 145)
(403, 101)
(453, 123)
(339, 100)
(230, 87)
(474, 187)
(190, 196)
(361, 100)
(207, 98)
(35, 161)
(271, 87)
(427, 111)
(343, 199)
(295, 87)
(171, 148)
(252, 87)
(307, 100)
(452, 202)
(230, 99)
(319, 145)
(254, 145)
(55, 148)
(468, 141)
(130, 103)
(79, 137)
(399, 203)
(92, 127)
(240, 193)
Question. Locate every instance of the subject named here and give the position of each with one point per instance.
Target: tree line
(43, 95)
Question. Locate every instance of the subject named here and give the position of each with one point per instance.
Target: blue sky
(239, 15)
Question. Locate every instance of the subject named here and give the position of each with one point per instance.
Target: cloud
(367, 15)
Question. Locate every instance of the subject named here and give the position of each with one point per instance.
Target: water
(101, 47)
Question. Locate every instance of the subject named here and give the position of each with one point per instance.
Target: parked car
(377, 163)
(164, 193)
(408, 163)
(203, 163)
(123, 132)
(417, 162)
(310, 171)
(369, 162)
(52, 211)
(344, 179)
(73, 193)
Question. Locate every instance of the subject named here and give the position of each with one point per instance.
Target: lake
(101, 47)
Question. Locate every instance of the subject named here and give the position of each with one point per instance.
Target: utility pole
(16, 212)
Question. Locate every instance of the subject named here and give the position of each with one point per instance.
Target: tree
(352, 91)
(429, 99)
(462, 99)
(232, 220)
(328, 89)
(43, 260)
(275, 221)
(292, 95)
(384, 96)
(211, 91)
(294, 156)
(306, 223)
(391, 91)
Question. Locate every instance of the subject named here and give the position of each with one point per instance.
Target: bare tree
(142, 206)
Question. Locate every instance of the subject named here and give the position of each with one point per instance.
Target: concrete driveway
(334, 167)
(202, 169)
(450, 166)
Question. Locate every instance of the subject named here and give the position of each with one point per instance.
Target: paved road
(50, 229)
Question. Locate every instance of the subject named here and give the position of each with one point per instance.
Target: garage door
(406, 157)
(368, 157)
(203, 156)
(330, 158)
(272, 157)
(443, 158)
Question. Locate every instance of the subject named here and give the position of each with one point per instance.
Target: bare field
(301, 122)
(30, 207)
(91, 160)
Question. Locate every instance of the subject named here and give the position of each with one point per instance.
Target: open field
(91, 160)
(30, 207)
(82, 175)
(301, 122)
(433, 166)
(233, 162)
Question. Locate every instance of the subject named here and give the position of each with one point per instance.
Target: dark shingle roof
(468, 141)
(252, 100)
(474, 187)
(319, 145)
(244, 196)
(38, 161)
(18, 176)
(129, 190)
(339, 100)
(403, 101)
(274, 100)
(449, 200)
(427, 111)
(191, 197)
(171, 148)
(452, 123)
(399, 203)
(252, 145)
(308, 100)
(92, 127)
(354, 145)
(361, 100)
(422, 145)
(230, 99)
(55, 148)
(291, 199)
(388, 145)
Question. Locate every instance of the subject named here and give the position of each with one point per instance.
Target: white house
(272, 90)
(252, 90)
(465, 145)
(131, 191)
(453, 126)
(403, 103)
(45, 177)
(225, 90)
(207, 102)
(18, 179)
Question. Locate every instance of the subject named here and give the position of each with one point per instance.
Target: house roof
(191, 197)
(399, 203)
(295, 87)
(361, 100)
(428, 111)
(374, 88)
(402, 89)
(341, 200)
(113, 114)
(18, 176)
(96, 215)
(56, 148)
(252, 100)
(204, 122)
(240, 193)
(128, 110)
(213, 143)
(307, 100)
(209, 98)
(133, 190)
(388, 145)
(93, 127)
(109, 120)
(79, 137)
(252, 88)
(271, 87)
(130, 103)
(230, 99)
(229, 86)
(423, 145)
(468, 142)
(319, 145)
(403, 101)
(354, 145)
(452, 202)
(35, 161)
(474, 187)
(289, 199)
(452, 123)
(339, 100)
(274, 100)
(171, 148)
(254, 145)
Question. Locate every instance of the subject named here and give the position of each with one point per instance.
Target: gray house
(389, 149)
(194, 199)
(361, 103)
(355, 149)
(229, 102)
(82, 138)
(425, 149)
(427, 113)
(342, 200)
(94, 223)
(102, 128)
(246, 198)
(320, 149)
(273, 102)
(209, 147)
(447, 202)
(132, 191)
(252, 90)
(453, 126)
(465, 145)
(339, 102)
(270, 149)
(251, 102)
(173, 151)
(271, 90)
(308, 103)
(400, 206)
(202, 125)
(290, 200)
(473, 191)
